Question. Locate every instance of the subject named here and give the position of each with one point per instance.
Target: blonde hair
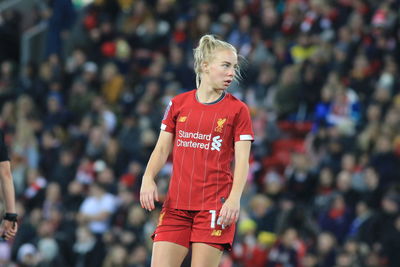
(208, 44)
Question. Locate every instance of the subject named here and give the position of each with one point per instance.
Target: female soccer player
(206, 128)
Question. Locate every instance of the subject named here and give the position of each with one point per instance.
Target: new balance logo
(216, 233)
(216, 143)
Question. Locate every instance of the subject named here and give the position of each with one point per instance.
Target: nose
(231, 72)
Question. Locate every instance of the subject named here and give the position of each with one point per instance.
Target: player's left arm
(230, 209)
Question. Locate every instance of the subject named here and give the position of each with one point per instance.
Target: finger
(237, 216)
(224, 220)
(232, 217)
(146, 201)
(222, 216)
(151, 196)
(9, 236)
(227, 217)
(150, 202)
(222, 212)
(141, 201)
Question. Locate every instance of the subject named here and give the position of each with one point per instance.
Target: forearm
(242, 154)
(239, 180)
(7, 186)
(156, 162)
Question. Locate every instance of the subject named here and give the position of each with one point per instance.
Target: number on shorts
(214, 217)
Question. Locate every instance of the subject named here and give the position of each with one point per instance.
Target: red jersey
(204, 138)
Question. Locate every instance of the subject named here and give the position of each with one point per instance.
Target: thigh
(204, 255)
(167, 254)
(174, 226)
(206, 229)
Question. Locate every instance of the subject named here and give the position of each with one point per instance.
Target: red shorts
(184, 227)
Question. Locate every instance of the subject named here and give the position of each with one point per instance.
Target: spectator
(88, 251)
(96, 209)
(337, 219)
(284, 252)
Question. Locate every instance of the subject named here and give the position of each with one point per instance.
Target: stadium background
(83, 86)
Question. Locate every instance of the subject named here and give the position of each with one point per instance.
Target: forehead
(225, 55)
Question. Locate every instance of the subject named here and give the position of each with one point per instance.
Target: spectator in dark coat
(391, 244)
(61, 18)
(337, 219)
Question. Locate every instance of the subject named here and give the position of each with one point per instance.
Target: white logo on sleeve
(216, 143)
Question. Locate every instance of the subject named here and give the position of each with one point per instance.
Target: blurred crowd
(321, 79)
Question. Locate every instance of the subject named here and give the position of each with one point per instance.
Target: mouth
(227, 82)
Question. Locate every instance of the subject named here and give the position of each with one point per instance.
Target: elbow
(242, 165)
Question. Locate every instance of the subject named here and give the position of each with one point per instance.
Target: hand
(148, 193)
(8, 229)
(229, 212)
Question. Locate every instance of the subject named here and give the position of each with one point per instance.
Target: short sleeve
(3, 148)
(169, 120)
(243, 130)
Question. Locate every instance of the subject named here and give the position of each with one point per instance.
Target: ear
(205, 66)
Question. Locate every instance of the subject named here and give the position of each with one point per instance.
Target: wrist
(234, 198)
(148, 178)
(8, 216)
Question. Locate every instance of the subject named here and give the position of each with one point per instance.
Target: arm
(148, 190)
(230, 209)
(7, 186)
(9, 225)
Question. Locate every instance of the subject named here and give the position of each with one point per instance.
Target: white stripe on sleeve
(163, 126)
(245, 137)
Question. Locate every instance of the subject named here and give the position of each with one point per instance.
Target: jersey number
(214, 217)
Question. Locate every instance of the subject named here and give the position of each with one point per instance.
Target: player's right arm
(148, 190)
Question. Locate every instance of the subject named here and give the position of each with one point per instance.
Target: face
(221, 70)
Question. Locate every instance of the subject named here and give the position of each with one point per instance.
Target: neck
(207, 95)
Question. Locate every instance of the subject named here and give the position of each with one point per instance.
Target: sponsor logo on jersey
(216, 233)
(216, 143)
(196, 135)
(220, 125)
(182, 118)
(201, 141)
